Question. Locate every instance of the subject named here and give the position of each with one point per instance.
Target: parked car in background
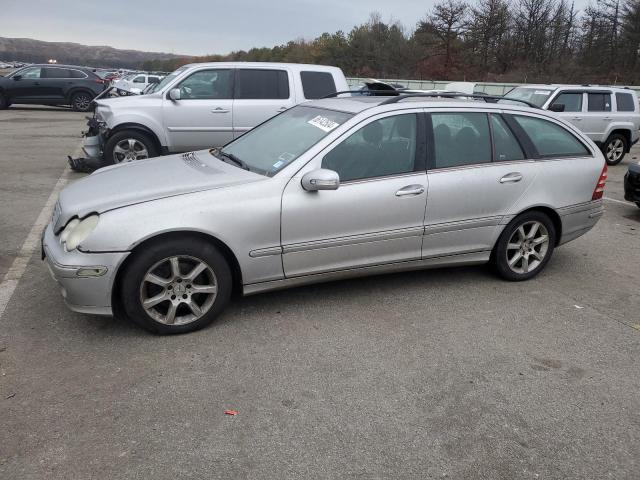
(203, 105)
(135, 82)
(609, 116)
(329, 189)
(51, 85)
(632, 183)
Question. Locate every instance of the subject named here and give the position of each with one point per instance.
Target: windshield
(278, 142)
(537, 96)
(166, 80)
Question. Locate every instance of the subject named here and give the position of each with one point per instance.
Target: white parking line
(617, 201)
(19, 265)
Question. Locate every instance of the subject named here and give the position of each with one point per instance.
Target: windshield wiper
(222, 155)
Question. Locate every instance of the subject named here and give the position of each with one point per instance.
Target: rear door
(53, 82)
(203, 117)
(260, 93)
(598, 115)
(473, 184)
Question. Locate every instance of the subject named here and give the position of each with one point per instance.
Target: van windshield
(276, 143)
(166, 80)
(537, 96)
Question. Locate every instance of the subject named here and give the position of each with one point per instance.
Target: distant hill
(37, 51)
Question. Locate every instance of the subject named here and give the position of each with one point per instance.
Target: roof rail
(365, 93)
(486, 98)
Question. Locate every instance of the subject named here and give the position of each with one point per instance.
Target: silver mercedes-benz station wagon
(328, 189)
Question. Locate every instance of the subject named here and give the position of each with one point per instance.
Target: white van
(203, 105)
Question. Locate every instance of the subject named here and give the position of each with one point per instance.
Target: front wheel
(176, 286)
(524, 247)
(127, 146)
(614, 149)
(81, 102)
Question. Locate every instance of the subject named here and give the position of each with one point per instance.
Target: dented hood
(145, 180)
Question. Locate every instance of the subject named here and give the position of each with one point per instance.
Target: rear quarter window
(262, 84)
(551, 140)
(317, 84)
(625, 102)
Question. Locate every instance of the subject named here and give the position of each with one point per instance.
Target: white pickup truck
(202, 105)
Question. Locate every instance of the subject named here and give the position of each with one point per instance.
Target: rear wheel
(81, 102)
(615, 148)
(129, 145)
(525, 246)
(176, 286)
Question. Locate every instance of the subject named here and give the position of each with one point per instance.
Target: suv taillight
(100, 80)
(599, 190)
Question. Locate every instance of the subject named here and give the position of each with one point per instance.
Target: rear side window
(551, 140)
(317, 84)
(625, 102)
(572, 101)
(461, 139)
(262, 84)
(599, 102)
(505, 144)
(55, 73)
(77, 74)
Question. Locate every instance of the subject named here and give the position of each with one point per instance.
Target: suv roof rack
(486, 98)
(365, 93)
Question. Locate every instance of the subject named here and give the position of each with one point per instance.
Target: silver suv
(203, 105)
(329, 189)
(609, 116)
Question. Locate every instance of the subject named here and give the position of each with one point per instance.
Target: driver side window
(33, 72)
(381, 148)
(208, 84)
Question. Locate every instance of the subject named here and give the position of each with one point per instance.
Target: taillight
(100, 81)
(599, 190)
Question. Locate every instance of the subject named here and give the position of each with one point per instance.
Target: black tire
(134, 289)
(111, 156)
(81, 101)
(4, 101)
(504, 247)
(611, 148)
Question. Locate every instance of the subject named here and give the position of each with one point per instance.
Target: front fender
(138, 118)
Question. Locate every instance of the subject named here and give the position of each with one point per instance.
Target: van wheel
(524, 247)
(81, 102)
(176, 286)
(4, 101)
(615, 148)
(127, 146)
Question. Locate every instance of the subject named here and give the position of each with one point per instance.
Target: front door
(574, 106)
(203, 117)
(376, 215)
(25, 85)
(469, 192)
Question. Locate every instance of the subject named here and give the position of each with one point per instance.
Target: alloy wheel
(527, 247)
(129, 149)
(615, 150)
(172, 297)
(81, 102)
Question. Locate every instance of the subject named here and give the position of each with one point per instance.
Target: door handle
(512, 177)
(578, 119)
(220, 110)
(410, 190)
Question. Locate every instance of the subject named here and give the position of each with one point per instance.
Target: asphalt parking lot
(435, 374)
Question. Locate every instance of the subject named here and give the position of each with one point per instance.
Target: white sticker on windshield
(278, 164)
(323, 123)
(542, 92)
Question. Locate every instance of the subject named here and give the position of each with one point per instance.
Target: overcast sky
(196, 27)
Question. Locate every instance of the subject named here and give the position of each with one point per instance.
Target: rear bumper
(632, 186)
(85, 279)
(579, 219)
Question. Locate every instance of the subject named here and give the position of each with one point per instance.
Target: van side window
(381, 148)
(599, 102)
(572, 101)
(317, 84)
(208, 84)
(461, 139)
(262, 84)
(625, 102)
(505, 144)
(551, 140)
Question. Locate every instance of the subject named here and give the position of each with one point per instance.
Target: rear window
(317, 84)
(625, 102)
(551, 140)
(262, 84)
(599, 102)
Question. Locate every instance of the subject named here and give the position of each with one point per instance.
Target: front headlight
(77, 231)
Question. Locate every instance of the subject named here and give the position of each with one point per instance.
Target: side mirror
(17, 77)
(557, 107)
(321, 179)
(174, 94)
